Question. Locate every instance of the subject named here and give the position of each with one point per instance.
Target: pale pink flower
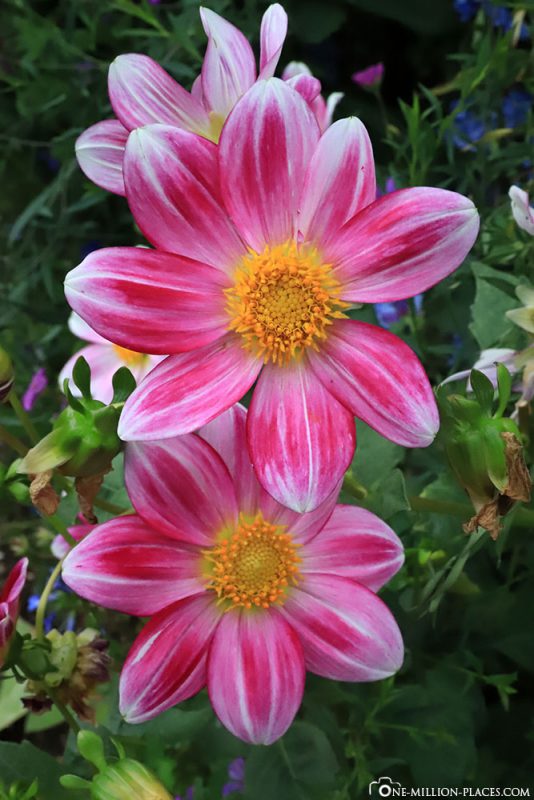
(9, 605)
(244, 595)
(264, 242)
(141, 92)
(323, 109)
(104, 359)
(370, 76)
(522, 211)
(487, 363)
(60, 547)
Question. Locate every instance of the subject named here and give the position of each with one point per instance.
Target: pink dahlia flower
(244, 595)
(141, 92)
(9, 605)
(323, 109)
(105, 359)
(263, 243)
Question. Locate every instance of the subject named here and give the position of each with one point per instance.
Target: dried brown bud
(43, 495)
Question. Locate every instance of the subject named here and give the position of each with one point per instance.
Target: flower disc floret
(254, 566)
(282, 301)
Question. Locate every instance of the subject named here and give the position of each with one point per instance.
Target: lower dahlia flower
(244, 595)
(9, 605)
(104, 359)
(264, 242)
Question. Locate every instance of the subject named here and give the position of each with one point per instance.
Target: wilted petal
(255, 675)
(100, 153)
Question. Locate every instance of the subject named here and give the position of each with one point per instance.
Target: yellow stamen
(254, 566)
(282, 301)
(129, 357)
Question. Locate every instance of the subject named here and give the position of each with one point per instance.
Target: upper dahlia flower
(9, 605)
(104, 359)
(141, 92)
(243, 594)
(264, 242)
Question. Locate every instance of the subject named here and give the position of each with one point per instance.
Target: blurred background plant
(451, 107)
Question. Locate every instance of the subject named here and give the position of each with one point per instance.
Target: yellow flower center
(254, 566)
(282, 301)
(130, 357)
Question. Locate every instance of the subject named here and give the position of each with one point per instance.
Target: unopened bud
(7, 375)
(126, 780)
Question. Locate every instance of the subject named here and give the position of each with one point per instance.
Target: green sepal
(483, 389)
(504, 384)
(51, 452)
(81, 376)
(74, 782)
(91, 747)
(123, 385)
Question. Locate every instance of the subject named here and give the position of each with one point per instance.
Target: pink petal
(255, 675)
(272, 36)
(13, 586)
(227, 435)
(229, 66)
(100, 153)
(325, 111)
(173, 190)
(181, 487)
(188, 390)
(129, 566)
(295, 68)
(167, 663)
(301, 527)
(60, 547)
(149, 301)
(82, 330)
(301, 439)
(340, 180)
(104, 363)
(264, 149)
(355, 544)
(347, 632)
(307, 86)
(141, 93)
(380, 379)
(402, 244)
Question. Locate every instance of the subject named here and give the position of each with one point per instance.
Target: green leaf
(11, 708)
(123, 385)
(483, 389)
(489, 323)
(17, 760)
(81, 375)
(504, 385)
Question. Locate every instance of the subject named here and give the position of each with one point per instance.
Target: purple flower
(236, 773)
(389, 313)
(37, 385)
(370, 76)
(515, 107)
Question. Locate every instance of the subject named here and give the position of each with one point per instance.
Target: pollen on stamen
(282, 301)
(254, 567)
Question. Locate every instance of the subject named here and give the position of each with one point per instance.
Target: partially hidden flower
(487, 363)
(469, 127)
(388, 314)
(104, 359)
(515, 107)
(321, 107)
(141, 92)
(370, 77)
(522, 211)
(10, 604)
(236, 773)
(263, 244)
(244, 595)
(60, 547)
(36, 386)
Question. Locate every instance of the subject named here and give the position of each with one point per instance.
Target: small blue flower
(236, 773)
(502, 18)
(466, 9)
(389, 313)
(469, 128)
(515, 106)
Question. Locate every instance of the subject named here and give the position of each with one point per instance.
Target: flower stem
(43, 600)
(62, 529)
(13, 441)
(64, 711)
(105, 505)
(523, 517)
(23, 417)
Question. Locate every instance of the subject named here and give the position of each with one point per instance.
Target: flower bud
(7, 375)
(128, 779)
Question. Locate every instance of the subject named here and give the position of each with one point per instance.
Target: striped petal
(129, 566)
(355, 544)
(380, 379)
(141, 93)
(265, 148)
(347, 632)
(229, 66)
(340, 180)
(188, 390)
(100, 153)
(149, 301)
(402, 244)
(301, 439)
(255, 675)
(167, 663)
(307, 86)
(172, 187)
(272, 36)
(181, 488)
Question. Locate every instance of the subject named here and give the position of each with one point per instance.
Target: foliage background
(461, 711)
